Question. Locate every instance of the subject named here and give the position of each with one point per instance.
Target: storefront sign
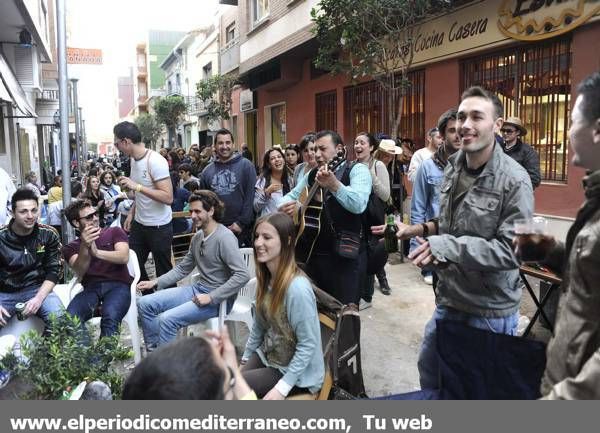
(247, 100)
(533, 20)
(84, 56)
(491, 23)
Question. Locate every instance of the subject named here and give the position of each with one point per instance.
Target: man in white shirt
(149, 221)
(7, 189)
(434, 140)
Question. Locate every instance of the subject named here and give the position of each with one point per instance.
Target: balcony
(49, 95)
(195, 106)
(230, 56)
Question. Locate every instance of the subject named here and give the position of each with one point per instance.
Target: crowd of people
(313, 217)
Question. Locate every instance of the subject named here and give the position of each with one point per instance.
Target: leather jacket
(529, 159)
(573, 356)
(27, 261)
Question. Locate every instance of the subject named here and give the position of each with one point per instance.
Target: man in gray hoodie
(232, 177)
(214, 251)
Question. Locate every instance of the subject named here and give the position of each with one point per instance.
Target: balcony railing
(50, 95)
(195, 105)
(230, 56)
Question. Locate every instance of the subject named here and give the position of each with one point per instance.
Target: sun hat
(389, 146)
(516, 122)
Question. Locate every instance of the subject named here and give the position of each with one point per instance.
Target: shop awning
(14, 91)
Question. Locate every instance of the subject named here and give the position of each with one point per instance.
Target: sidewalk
(392, 331)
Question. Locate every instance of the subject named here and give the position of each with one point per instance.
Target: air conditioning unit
(28, 69)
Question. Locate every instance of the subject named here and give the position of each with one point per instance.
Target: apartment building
(193, 59)
(28, 88)
(534, 70)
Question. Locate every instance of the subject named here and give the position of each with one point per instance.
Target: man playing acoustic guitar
(331, 240)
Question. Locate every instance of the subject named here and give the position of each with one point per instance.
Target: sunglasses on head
(89, 217)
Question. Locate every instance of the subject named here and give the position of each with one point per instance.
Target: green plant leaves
(66, 356)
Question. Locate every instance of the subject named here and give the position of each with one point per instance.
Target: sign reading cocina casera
(532, 20)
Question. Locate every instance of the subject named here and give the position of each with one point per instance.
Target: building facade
(531, 56)
(28, 88)
(193, 59)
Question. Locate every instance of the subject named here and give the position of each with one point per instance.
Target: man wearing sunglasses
(99, 257)
(513, 132)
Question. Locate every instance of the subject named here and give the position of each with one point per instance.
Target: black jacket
(27, 261)
(529, 159)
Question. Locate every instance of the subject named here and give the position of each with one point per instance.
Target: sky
(116, 27)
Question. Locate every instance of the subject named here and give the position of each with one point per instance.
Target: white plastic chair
(10, 334)
(242, 307)
(248, 254)
(216, 323)
(66, 292)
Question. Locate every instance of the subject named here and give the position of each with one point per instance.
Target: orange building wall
(442, 87)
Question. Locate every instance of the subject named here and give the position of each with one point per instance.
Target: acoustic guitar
(308, 217)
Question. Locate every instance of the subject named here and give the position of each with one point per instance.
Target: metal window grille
(365, 109)
(326, 110)
(534, 83)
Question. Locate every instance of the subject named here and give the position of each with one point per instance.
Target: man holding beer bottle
(483, 192)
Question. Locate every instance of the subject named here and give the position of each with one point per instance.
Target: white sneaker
(363, 305)
(428, 279)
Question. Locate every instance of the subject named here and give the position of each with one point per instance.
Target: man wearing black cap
(512, 131)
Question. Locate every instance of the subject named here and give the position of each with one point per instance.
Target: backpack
(340, 335)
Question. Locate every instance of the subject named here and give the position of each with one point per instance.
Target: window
(326, 110)
(230, 32)
(278, 126)
(142, 89)
(234, 129)
(365, 109)
(260, 9)
(534, 83)
(251, 133)
(207, 69)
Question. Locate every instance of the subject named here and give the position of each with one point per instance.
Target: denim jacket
(425, 201)
(478, 270)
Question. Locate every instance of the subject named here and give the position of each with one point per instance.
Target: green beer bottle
(389, 235)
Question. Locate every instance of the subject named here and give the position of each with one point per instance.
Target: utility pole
(63, 96)
(82, 137)
(77, 125)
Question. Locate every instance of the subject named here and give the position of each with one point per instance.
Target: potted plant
(54, 364)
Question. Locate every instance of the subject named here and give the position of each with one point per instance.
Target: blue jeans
(115, 297)
(50, 305)
(428, 358)
(164, 312)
